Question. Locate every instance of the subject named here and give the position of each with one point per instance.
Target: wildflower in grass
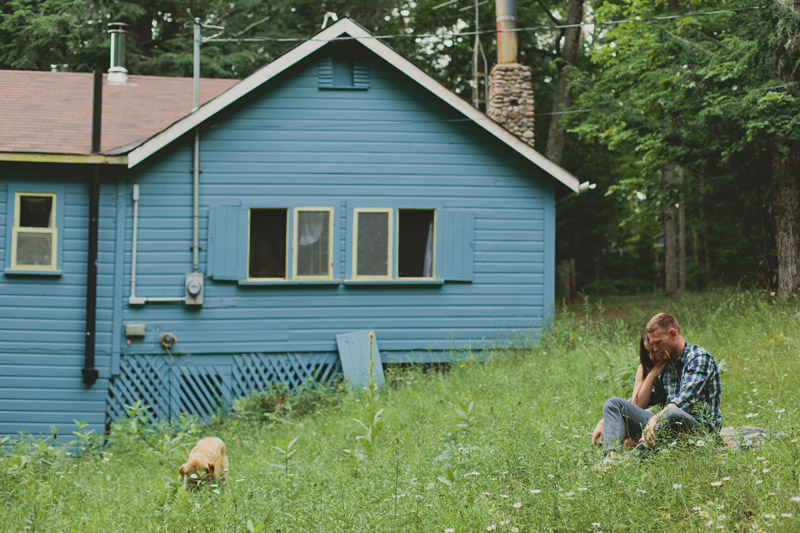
(535, 491)
(504, 495)
(769, 516)
(491, 527)
(517, 505)
(786, 515)
(795, 499)
(514, 530)
(487, 493)
(197, 504)
(641, 491)
(703, 514)
(666, 516)
(450, 530)
(759, 458)
(751, 415)
(463, 365)
(701, 443)
(595, 524)
(505, 522)
(472, 474)
(759, 482)
(726, 478)
(698, 509)
(709, 523)
(716, 483)
(677, 486)
(216, 491)
(765, 470)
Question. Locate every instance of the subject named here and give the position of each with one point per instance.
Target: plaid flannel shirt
(692, 383)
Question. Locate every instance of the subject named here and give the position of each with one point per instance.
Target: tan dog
(207, 463)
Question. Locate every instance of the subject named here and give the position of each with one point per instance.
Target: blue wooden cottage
(338, 189)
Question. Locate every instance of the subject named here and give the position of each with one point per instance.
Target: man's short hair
(663, 322)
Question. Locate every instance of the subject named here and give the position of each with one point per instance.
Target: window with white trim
(313, 243)
(34, 235)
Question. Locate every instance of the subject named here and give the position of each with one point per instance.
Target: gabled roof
(46, 113)
(346, 27)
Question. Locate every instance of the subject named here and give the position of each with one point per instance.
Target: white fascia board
(347, 26)
(418, 75)
(252, 82)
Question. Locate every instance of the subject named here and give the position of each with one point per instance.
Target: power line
(451, 35)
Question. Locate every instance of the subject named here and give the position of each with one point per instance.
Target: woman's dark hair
(644, 356)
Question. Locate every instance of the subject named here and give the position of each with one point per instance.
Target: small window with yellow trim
(267, 253)
(372, 253)
(313, 243)
(34, 235)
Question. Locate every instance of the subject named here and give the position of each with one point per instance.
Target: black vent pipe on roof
(89, 372)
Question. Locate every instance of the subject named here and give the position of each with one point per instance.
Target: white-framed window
(313, 243)
(416, 243)
(34, 235)
(372, 243)
(267, 255)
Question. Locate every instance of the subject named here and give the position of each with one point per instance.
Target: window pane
(415, 243)
(34, 211)
(267, 243)
(34, 249)
(373, 244)
(312, 243)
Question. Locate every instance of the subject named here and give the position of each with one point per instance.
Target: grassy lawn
(498, 444)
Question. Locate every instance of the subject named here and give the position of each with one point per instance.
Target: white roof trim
(347, 26)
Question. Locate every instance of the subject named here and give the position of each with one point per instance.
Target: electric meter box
(194, 289)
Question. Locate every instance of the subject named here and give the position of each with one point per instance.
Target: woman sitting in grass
(648, 391)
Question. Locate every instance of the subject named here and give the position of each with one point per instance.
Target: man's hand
(597, 434)
(649, 433)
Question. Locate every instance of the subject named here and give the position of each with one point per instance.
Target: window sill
(395, 282)
(44, 273)
(288, 282)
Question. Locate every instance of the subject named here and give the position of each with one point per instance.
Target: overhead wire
(450, 35)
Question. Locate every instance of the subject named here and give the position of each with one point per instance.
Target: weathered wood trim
(95, 159)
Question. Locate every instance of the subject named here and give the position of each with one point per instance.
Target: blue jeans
(621, 416)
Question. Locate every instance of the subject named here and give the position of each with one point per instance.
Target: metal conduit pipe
(90, 373)
(196, 159)
(133, 299)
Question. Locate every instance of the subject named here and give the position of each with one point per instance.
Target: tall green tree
(706, 93)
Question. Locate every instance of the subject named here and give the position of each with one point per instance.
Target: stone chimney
(117, 73)
(510, 87)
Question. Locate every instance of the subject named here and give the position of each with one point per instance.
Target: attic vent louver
(343, 73)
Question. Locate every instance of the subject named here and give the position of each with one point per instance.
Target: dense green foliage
(503, 443)
(715, 94)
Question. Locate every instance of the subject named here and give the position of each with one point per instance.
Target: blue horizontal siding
(288, 144)
(42, 319)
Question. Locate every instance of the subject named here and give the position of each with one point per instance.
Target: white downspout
(139, 300)
(196, 159)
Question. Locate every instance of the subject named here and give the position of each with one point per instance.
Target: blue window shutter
(343, 73)
(455, 248)
(325, 73)
(227, 243)
(360, 74)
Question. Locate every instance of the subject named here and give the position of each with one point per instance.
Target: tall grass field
(497, 441)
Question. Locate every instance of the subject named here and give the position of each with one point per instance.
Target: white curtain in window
(426, 269)
(311, 226)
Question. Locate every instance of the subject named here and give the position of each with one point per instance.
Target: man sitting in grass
(691, 380)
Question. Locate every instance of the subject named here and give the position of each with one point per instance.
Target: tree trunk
(786, 193)
(681, 232)
(670, 256)
(562, 100)
(786, 205)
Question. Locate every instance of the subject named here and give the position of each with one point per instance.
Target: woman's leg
(618, 416)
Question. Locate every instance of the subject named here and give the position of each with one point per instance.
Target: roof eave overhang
(347, 26)
(81, 159)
